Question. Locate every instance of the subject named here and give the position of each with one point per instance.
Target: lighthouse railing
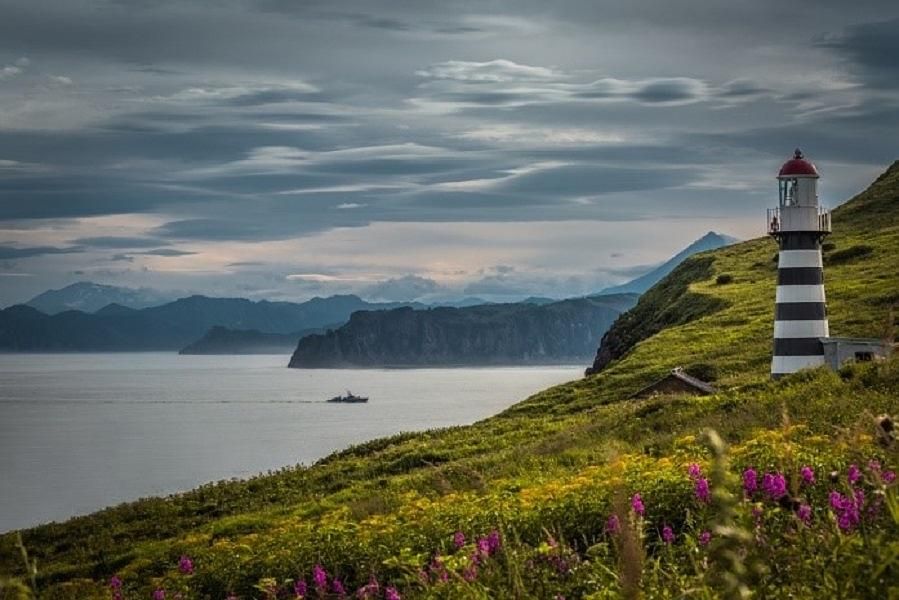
(816, 221)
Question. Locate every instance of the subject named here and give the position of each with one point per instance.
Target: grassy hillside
(539, 501)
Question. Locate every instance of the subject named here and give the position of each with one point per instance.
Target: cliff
(521, 333)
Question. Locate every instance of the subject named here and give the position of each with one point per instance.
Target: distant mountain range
(709, 241)
(221, 340)
(89, 297)
(519, 333)
(170, 326)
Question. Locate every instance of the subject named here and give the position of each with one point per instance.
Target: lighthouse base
(784, 365)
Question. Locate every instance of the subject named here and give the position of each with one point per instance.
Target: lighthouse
(799, 224)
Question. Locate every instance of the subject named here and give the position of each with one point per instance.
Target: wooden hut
(676, 382)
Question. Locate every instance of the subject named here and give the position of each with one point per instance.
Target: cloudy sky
(413, 148)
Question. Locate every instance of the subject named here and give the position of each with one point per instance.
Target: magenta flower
(750, 481)
(804, 513)
(494, 542)
(705, 537)
(483, 546)
(613, 525)
(774, 485)
(391, 593)
(370, 590)
(853, 474)
(470, 573)
(694, 471)
(808, 475)
(186, 565)
(701, 488)
(667, 534)
(458, 539)
(320, 577)
(637, 505)
(159, 594)
(115, 585)
(888, 476)
(847, 509)
(300, 589)
(337, 588)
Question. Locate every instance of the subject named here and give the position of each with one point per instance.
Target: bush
(724, 279)
(850, 253)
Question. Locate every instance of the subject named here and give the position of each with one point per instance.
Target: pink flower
(370, 590)
(300, 589)
(186, 565)
(613, 525)
(494, 542)
(337, 588)
(667, 534)
(701, 489)
(694, 470)
(888, 476)
(704, 538)
(750, 481)
(774, 485)
(470, 573)
(115, 585)
(808, 475)
(804, 513)
(853, 474)
(458, 539)
(159, 594)
(637, 505)
(320, 577)
(391, 593)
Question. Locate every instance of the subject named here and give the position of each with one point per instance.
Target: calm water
(79, 432)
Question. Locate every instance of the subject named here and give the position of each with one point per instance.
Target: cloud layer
(226, 147)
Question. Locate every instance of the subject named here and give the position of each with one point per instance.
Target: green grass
(559, 463)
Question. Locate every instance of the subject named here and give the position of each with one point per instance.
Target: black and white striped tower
(799, 224)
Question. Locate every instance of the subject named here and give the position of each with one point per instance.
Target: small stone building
(839, 350)
(676, 382)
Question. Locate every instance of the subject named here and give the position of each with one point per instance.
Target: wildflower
(494, 542)
(667, 534)
(186, 565)
(808, 475)
(458, 539)
(391, 593)
(888, 476)
(847, 509)
(774, 485)
(637, 505)
(702, 490)
(159, 594)
(694, 471)
(705, 537)
(804, 513)
(483, 546)
(853, 474)
(115, 585)
(320, 577)
(470, 573)
(371, 589)
(337, 588)
(874, 466)
(300, 589)
(613, 525)
(750, 481)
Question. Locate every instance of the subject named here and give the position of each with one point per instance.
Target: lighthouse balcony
(798, 218)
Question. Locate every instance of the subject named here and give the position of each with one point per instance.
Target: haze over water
(79, 432)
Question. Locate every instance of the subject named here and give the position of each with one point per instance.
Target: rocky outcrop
(509, 334)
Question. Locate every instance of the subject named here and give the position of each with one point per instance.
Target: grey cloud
(874, 47)
(119, 242)
(400, 289)
(169, 252)
(13, 253)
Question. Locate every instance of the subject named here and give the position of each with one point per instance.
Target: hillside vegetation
(575, 492)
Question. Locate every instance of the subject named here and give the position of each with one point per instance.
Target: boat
(349, 398)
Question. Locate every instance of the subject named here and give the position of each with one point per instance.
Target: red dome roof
(798, 166)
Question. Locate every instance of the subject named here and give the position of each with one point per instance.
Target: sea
(80, 432)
